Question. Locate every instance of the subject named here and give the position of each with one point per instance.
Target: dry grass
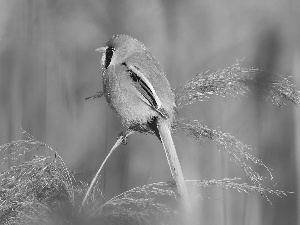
(234, 81)
(44, 191)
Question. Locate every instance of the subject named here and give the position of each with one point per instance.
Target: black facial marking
(108, 56)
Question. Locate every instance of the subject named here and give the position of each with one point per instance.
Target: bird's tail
(173, 161)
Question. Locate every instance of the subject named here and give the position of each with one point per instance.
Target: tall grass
(43, 190)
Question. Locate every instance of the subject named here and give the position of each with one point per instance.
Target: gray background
(48, 66)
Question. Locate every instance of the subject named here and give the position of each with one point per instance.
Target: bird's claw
(124, 135)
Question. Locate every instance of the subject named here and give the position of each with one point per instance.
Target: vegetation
(43, 191)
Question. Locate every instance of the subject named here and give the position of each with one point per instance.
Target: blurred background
(48, 67)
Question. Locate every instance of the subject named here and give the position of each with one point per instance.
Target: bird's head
(118, 49)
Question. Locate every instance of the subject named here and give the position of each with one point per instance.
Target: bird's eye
(108, 55)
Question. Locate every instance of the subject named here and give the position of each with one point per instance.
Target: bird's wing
(145, 87)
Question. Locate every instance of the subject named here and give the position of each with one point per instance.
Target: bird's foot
(98, 95)
(123, 135)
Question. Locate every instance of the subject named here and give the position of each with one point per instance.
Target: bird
(137, 90)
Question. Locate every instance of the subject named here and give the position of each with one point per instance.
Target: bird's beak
(101, 50)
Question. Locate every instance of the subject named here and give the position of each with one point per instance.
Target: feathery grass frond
(140, 204)
(29, 191)
(233, 81)
(43, 191)
(22, 146)
(240, 187)
(229, 183)
(226, 82)
(237, 150)
(282, 88)
(24, 188)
